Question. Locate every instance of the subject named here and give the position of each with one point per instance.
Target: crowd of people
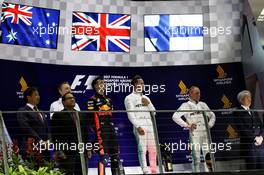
(65, 122)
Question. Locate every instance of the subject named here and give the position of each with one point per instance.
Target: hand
(44, 144)
(258, 140)
(47, 143)
(261, 139)
(56, 156)
(89, 154)
(145, 101)
(192, 127)
(59, 155)
(141, 131)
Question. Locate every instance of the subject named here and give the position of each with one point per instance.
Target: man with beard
(142, 123)
(104, 128)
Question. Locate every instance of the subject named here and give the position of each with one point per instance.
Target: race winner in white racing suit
(143, 126)
(195, 123)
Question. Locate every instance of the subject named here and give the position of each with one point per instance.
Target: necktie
(249, 111)
(39, 114)
(73, 118)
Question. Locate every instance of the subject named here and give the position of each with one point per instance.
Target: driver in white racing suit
(142, 123)
(196, 125)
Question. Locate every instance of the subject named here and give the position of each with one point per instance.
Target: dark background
(46, 77)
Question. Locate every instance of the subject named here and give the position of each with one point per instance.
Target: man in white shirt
(63, 88)
(143, 126)
(196, 125)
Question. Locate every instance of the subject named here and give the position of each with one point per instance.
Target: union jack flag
(16, 12)
(101, 32)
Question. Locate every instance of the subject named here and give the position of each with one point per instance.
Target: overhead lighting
(261, 16)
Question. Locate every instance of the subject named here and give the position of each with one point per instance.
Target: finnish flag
(173, 32)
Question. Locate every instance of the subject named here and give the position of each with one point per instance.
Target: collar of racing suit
(193, 101)
(100, 95)
(138, 93)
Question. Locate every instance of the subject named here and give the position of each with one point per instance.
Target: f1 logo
(80, 78)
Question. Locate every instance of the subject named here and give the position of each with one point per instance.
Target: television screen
(173, 32)
(101, 32)
(29, 26)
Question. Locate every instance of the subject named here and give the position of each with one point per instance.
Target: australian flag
(101, 32)
(29, 26)
(173, 32)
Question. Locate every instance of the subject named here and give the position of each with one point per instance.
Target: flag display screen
(173, 32)
(29, 26)
(101, 32)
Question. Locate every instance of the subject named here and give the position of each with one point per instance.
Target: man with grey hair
(241, 95)
(251, 132)
(196, 125)
(63, 88)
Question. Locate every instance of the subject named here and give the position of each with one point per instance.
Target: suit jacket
(32, 125)
(63, 128)
(249, 126)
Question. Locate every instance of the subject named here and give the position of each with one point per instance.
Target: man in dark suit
(64, 132)
(251, 132)
(34, 128)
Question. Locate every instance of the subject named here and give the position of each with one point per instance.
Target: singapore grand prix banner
(167, 87)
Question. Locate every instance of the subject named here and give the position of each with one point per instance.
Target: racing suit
(105, 133)
(198, 137)
(142, 119)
